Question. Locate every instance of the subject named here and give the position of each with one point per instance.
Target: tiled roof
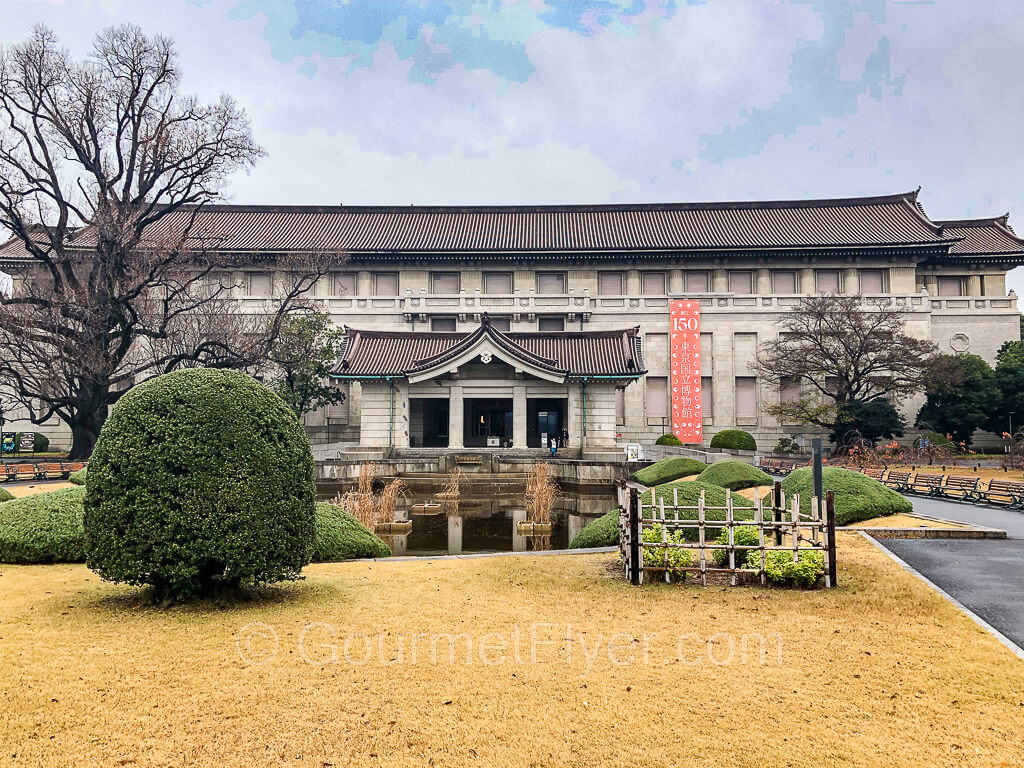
(864, 221)
(373, 354)
(986, 237)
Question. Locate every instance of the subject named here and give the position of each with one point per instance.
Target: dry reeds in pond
(388, 500)
(359, 502)
(541, 492)
(450, 491)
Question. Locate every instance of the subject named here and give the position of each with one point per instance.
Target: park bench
(959, 487)
(898, 481)
(785, 467)
(874, 474)
(70, 467)
(770, 465)
(469, 460)
(7, 473)
(929, 485)
(25, 472)
(50, 471)
(1006, 492)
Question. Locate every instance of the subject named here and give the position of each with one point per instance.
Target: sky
(594, 101)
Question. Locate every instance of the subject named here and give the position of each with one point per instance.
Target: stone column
(572, 416)
(675, 281)
(455, 417)
(931, 284)
(633, 282)
(851, 282)
(519, 416)
(720, 281)
(974, 285)
(763, 286)
(806, 286)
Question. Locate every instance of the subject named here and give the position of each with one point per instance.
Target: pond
(487, 517)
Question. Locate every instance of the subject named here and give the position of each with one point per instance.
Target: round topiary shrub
(200, 481)
(734, 439)
(668, 439)
(44, 528)
(5, 495)
(339, 536)
(688, 494)
(603, 532)
(667, 470)
(734, 475)
(858, 497)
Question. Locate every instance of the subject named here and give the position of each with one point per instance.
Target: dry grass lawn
(19, 490)
(879, 672)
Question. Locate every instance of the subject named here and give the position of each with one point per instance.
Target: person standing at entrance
(565, 437)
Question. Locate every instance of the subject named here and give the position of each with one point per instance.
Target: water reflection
(486, 521)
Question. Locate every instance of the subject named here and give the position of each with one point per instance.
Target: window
(260, 284)
(444, 282)
(503, 324)
(741, 282)
(653, 283)
(620, 406)
(497, 282)
(707, 397)
(826, 281)
(789, 391)
(550, 282)
(951, 286)
(832, 384)
(657, 400)
(385, 284)
(697, 282)
(609, 283)
(746, 397)
(872, 281)
(345, 284)
(551, 324)
(442, 324)
(784, 281)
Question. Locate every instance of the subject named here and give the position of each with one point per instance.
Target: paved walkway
(986, 575)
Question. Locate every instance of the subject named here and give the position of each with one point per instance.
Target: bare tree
(104, 171)
(839, 352)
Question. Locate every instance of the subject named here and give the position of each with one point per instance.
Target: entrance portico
(489, 388)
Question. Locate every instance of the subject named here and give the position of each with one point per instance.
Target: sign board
(634, 452)
(7, 443)
(28, 442)
(687, 416)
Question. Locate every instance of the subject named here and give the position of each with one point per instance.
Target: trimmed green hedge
(603, 532)
(675, 558)
(667, 470)
(689, 494)
(201, 481)
(780, 568)
(40, 443)
(668, 439)
(78, 478)
(5, 495)
(44, 528)
(734, 439)
(734, 475)
(744, 535)
(858, 497)
(339, 536)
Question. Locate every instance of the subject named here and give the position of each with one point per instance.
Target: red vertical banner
(684, 349)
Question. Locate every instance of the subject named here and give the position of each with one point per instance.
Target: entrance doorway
(428, 422)
(545, 417)
(488, 422)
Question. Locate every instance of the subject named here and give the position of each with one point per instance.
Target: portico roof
(555, 356)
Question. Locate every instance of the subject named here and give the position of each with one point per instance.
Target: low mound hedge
(339, 536)
(734, 475)
(858, 497)
(668, 439)
(5, 495)
(45, 528)
(667, 470)
(689, 494)
(734, 439)
(78, 478)
(603, 532)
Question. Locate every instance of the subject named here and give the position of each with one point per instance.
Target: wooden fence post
(777, 511)
(830, 525)
(634, 537)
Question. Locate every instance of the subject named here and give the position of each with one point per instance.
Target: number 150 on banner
(687, 416)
